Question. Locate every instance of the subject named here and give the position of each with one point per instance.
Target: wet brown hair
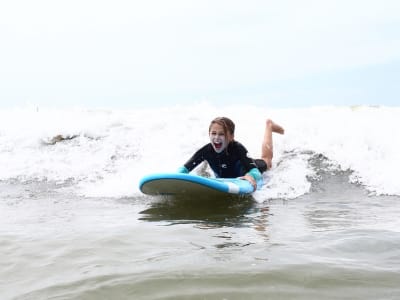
(226, 123)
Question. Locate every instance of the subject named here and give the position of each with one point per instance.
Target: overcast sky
(119, 53)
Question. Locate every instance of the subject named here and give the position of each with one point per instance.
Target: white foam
(111, 150)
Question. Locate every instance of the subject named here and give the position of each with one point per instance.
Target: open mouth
(218, 146)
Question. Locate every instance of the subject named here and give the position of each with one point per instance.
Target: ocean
(74, 225)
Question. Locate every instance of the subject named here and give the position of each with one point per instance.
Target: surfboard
(184, 184)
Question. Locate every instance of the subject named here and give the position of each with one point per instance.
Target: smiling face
(218, 137)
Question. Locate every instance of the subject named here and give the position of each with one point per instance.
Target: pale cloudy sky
(122, 53)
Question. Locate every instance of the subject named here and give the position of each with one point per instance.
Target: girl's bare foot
(275, 127)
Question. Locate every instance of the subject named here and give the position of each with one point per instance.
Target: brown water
(334, 243)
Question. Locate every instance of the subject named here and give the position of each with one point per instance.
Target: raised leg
(267, 145)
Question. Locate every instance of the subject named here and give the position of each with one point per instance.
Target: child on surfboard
(228, 158)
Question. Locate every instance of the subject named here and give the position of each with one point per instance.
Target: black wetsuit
(230, 163)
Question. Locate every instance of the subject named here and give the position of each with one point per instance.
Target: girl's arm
(193, 162)
(253, 175)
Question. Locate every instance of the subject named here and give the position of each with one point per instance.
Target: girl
(228, 158)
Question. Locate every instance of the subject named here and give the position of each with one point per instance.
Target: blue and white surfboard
(180, 184)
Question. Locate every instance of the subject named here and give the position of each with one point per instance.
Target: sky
(129, 53)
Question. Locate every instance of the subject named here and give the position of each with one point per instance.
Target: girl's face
(218, 139)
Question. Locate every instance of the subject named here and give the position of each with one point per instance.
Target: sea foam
(106, 152)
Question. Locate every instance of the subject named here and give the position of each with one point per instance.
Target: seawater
(73, 224)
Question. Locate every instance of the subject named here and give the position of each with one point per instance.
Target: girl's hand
(251, 180)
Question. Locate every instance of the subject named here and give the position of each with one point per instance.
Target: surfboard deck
(185, 184)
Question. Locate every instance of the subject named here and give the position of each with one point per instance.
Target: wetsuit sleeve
(256, 174)
(248, 163)
(182, 169)
(196, 159)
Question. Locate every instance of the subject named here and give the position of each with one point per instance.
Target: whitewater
(105, 152)
(74, 225)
